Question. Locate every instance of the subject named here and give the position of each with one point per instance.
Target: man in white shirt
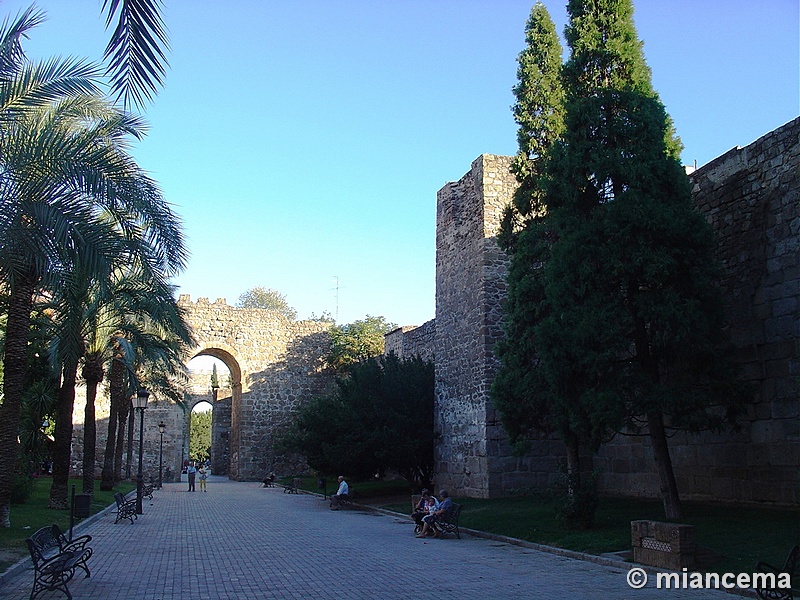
(341, 493)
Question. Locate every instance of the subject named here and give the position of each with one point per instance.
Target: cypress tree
(632, 275)
(614, 288)
(539, 112)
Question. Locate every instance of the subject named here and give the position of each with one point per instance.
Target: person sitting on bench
(429, 522)
(269, 480)
(341, 493)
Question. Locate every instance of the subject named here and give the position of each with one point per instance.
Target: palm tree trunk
(63, 435)
(93, 375)
(124, 409)
(107, 479)
(15, 366)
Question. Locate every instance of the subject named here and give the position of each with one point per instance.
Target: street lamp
(161, 428)
(140, 403)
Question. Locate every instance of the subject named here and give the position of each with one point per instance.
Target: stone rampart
(412, 340)
(472, 454)
(275, 364)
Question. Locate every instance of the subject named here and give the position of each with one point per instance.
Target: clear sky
(304, 141)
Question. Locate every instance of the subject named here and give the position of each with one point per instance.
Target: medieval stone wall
(275, 364)
(412, 340)
(472, 453)
(752, 198)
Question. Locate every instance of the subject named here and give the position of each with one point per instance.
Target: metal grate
(654, 544)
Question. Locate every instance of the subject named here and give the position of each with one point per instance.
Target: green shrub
(579, 502)
(22, 488)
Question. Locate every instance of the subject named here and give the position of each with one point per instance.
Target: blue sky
(302, 142)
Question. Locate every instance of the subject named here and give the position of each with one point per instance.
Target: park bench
(293, 487)
(344, 500)
(448, 522)
(147, 490)
(126, 509)
(790, 567)
(55, 559)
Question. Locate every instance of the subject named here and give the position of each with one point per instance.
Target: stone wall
(751, 196)
(275, 364)
(412, 340)
(472, 454)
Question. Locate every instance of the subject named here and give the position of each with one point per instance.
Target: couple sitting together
(428, 511)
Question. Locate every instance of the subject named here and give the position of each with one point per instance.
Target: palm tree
(148, 328)
(63, 159)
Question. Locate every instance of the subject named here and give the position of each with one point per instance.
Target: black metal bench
(54, 567)
(147, 490)
(126, 509)
(448, 522)
(789, 567)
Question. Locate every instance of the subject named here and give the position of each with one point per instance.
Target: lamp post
(161, 428)
(140, 403)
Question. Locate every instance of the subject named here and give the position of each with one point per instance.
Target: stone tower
(472, 455)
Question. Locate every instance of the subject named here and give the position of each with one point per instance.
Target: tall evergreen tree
(627, 319)
(534, 397)
(539, 112)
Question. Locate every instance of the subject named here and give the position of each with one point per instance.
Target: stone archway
(275, 365)
(222, 400)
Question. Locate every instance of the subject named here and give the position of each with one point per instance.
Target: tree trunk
(573, 467)
(107, 476)
(666, 476)
(122, 415)
(15, 366)
(93, 375)
(131, 427)
(62, 448)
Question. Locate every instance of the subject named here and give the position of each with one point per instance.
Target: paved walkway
(242, 541)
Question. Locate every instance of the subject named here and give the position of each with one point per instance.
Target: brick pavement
(241, 541)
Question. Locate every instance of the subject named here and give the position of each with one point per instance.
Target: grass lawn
(34, 514)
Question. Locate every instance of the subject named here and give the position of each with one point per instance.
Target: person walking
(191, 471)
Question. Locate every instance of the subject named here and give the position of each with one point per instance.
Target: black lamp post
(140, 403)
(161, 428)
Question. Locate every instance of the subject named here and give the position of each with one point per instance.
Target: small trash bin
(82, 505)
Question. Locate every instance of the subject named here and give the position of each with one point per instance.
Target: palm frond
(135, 53)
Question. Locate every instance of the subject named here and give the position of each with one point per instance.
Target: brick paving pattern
(241, 541)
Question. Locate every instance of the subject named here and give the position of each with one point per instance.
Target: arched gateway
(274, 365)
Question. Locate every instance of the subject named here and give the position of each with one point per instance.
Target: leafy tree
(523, 391)
(627, 328)
(379, 418)
(200, 435)
(268, 299)
(357, 341)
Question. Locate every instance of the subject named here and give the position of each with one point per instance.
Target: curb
(574, 554)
